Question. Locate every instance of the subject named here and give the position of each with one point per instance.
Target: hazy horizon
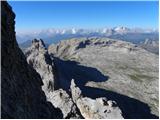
(34, 15)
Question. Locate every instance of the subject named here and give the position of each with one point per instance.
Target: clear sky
(83, 14)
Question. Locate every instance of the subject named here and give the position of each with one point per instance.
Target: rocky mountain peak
(38, 57)
(121, 30)
(38, 44)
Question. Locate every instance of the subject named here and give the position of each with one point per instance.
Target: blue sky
(41, 15)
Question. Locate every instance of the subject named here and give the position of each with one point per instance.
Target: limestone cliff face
(38, 57)
(21, 94)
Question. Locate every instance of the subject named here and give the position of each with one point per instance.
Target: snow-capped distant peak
(63, 31)
(74, 31)
(104, 30)
(121, 28)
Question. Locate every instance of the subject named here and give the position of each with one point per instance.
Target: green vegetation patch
(126, 67)
(140, 77)
(155, 100)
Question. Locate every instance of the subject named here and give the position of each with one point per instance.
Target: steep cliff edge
(21, 94)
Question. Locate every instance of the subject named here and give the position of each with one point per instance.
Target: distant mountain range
(54, 35)
(134, 35)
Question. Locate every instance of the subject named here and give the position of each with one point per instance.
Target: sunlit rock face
(99, 108)
(38, 57)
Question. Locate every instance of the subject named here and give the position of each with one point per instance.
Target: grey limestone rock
(99, 108)
(75, 91)
(60, 99)
(38, 57)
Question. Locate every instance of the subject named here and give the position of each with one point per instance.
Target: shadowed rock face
(21, 94)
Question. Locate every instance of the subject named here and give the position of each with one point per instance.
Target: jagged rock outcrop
(99, 108)
(75, 91)
(62, 100)
(150, 45)
(21, 93)
(65, 49)
(38, 57)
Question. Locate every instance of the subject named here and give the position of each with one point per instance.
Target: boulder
(60, 99)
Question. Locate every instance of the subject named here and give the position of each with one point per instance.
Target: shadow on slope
(131, 108)
(68, 70)
(21, 93)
